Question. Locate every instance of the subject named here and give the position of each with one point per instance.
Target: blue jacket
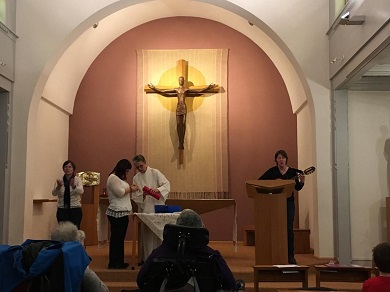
(12, 272)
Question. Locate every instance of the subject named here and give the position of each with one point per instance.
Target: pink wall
(103, 125)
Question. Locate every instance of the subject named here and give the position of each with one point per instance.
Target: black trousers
(117, 239)
(73, 215)
(290, 225)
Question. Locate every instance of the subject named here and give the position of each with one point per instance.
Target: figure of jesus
(181, 93)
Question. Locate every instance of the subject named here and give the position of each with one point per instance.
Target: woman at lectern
(118, 191)
(283, 171)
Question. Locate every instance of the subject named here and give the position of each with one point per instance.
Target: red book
(152, 193)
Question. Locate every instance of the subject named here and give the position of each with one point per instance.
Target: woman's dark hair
(67, 162)
(281, 152)
(121, 167)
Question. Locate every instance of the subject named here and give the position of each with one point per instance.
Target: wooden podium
(90, 206)
(270, 215)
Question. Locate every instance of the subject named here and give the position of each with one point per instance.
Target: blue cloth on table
(166, 209)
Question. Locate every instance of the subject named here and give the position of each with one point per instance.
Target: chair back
(191, 269)
(184, 237)
(42, 265)
(51, 279)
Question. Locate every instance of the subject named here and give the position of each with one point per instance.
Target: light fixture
(345, 15)
(337, 59)
(345, 19)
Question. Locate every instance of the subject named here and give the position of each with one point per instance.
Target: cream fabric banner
(204, 172)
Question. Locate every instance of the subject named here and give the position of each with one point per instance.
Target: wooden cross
(181, 92)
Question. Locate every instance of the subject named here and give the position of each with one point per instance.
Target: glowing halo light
(171, 78)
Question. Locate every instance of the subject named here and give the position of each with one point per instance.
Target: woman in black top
(283, 171)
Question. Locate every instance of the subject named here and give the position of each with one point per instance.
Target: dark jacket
(33, 258)
(166, 251)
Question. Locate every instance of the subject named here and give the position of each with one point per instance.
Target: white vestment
(153, 179)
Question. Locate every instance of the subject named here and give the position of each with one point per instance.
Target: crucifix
(181, 92)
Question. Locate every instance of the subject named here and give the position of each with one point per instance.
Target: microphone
(151, 192)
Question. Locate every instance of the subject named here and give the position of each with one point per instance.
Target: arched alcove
(62, 76)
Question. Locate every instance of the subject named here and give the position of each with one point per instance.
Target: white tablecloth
(157, 221)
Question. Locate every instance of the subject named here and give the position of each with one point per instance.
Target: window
(2, 11)
(339, 6)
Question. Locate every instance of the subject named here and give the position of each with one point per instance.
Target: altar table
(156, 223)
(201, 206)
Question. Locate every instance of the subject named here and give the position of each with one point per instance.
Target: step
(107, 275)
(301, 239)
(249, 286)
(119, 286)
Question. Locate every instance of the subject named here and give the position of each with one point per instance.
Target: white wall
(321, 223)
(51, 150)
(52, 137)
(305, 160)
(369, 133)
(302, 25)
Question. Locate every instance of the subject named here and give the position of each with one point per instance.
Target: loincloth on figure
(181, 109)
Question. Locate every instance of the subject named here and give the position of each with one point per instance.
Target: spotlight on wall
(345, 19)
(250, 23)
(345, 15)
(95, 25)
(337, 59)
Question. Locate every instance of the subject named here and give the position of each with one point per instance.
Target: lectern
(90, 206)
(270, 219)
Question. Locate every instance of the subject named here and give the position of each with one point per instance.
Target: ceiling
(373, 75)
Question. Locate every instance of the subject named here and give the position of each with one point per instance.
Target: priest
(153, 190)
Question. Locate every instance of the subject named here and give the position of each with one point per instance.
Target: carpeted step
(119, 286)
(107, 275)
